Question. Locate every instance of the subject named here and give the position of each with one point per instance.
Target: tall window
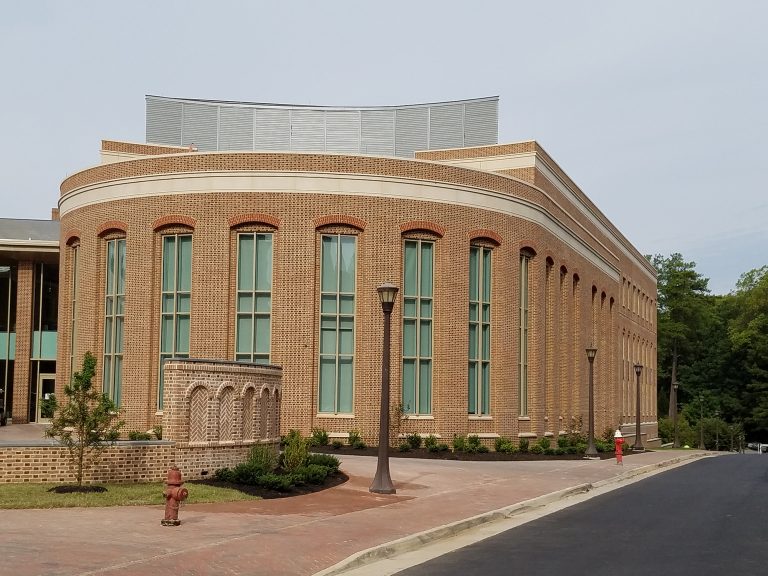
(479, 330)
(417, 327)
(525, 261)
(337, 323)
(114, 317)
(175, 300)
(74, 253)
(254, 297)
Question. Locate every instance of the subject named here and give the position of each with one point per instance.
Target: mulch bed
(333, 480)
(491, 456)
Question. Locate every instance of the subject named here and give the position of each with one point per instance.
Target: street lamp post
(701, 421)
(676, 443)
(638, 437)
(717, 430)
(591, 450)
(382, 482)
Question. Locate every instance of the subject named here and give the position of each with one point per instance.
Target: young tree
(87, 422)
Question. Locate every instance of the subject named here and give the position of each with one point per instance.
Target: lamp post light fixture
(591, 450)
(701, 421)
(676, 443)
(382, 482)
(638, 437)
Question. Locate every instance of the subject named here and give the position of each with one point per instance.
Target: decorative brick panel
(173, 220)
(416, 225)
(111, 225)
(254, 218)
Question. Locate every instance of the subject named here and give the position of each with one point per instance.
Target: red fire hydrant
(174, 494)
(618, 441)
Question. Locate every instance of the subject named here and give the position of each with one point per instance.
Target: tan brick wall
(25, 286)
(299, 221)
(123, 462)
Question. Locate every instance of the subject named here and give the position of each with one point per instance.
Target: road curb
(419, 539)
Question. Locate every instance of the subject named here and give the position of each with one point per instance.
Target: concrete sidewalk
(325, 532)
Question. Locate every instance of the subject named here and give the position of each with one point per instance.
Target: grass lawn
(38, 495)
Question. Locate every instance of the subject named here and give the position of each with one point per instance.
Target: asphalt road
(708, 517)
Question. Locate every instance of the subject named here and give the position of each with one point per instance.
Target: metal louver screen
(481, 123)
(342, 131)
(411, 125)
(272, 129)
(163, 121)
(200, 127)
(378, 132)
(235, 128)
(446, 126)
(307, 130)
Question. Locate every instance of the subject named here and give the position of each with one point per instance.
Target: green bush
(473, 444)
(536, 449)
(430, 443)
(311, 474)
(550, 451)
(247, 473)
(506, 447)
(414, 440)
(524, 445)
(442, 447)
(545, 443)
(459, 443)
(136, 435)
(157, 430)
(562, 442)
(404, 447)
(337, 444)
(560, 451)
(264, 457)
(327, 460)
(295, 452)
(271, 481)
(356, 441)
(224, 475)
(319, 437)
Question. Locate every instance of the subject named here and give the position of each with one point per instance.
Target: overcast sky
(656, 109)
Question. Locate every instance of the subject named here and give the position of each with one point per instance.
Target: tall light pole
(591, 450)
(676, 443)
(717, 430)
(701, 421)
(638, 437)
(382, 482)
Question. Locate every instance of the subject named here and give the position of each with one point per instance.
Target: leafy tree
(748, 331)
(682, 309)
(87, 422)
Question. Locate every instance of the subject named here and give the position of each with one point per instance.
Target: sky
(658, 110)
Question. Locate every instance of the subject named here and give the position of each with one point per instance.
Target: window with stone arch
(418, 314)
(253, 306)
(338, 271)
(526, 256)
(175, 297)
(479, 355)
(114, 314)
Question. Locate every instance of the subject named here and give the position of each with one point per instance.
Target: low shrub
(295, 452)
(459, 443)
(311, 474)
(506, 447)
(549, 451)
(337, 444)
(524, 445)
(136, 435)
(157, 430)
(562, 442)
(404, 447)
(414, 440)
(536, 449)
(430, 443)
(264, 457)
(319, 437)
(272, 481)
(474, 445)
(356, 441)
(327, 460)
(442, 447)
(545, 443)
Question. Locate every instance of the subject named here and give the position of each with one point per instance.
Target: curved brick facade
(586, 283)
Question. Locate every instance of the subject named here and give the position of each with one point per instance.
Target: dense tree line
(716, 349)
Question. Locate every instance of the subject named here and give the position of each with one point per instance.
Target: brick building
(259, 233)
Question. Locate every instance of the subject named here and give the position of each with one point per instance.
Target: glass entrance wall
(44, 326)
(7, 337)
